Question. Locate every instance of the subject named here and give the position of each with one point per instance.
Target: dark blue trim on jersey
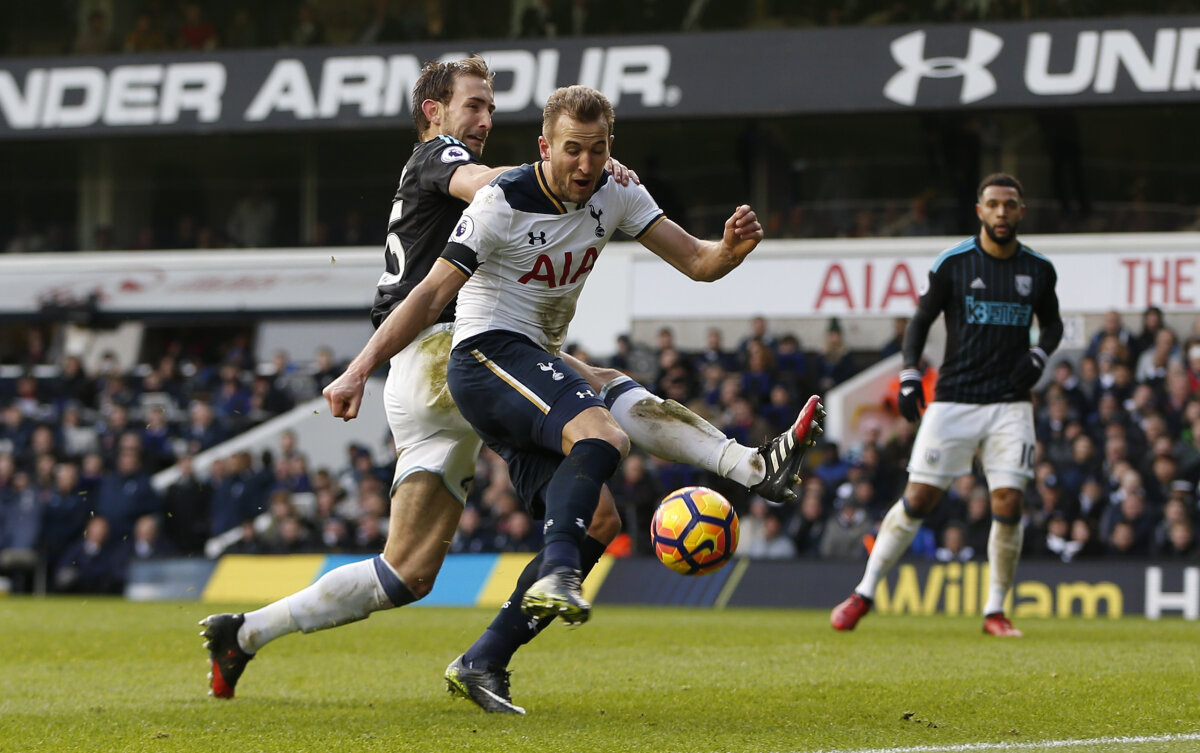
(526, 190)
(649, 226)
(961, 248)
(524, 193)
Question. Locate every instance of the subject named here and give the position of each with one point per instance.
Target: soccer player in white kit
(436, 447)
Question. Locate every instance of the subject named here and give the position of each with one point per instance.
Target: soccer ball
(694, 530)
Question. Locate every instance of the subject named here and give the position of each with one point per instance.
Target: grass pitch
(106, 675)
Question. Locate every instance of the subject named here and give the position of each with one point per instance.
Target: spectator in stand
(1058, 543)
(714, 352)
(145, 36)
(252, 222)
(1174, 511)
(954, 546)
(157, 441)
(1113, 327)
(893, 345)
(808, 526)
(95, 564)
(148, 541)
(370, 533)
(1127, 527)
(95, 38)
(1084, 539)
(126, 494)
(473, 536)
(15, 430)
(242, 32)
(64, 514)
(759, 373)
(516, 533)
(740, 422)
(202, 431)
(845, 534)
(834, 364)
(1069, 385)
(792, 364)
(1156, 359)
(20, 529)
(232, 401)
(234, 499)
(325, 370)
(773, 544)
(196, 33)
(307, 31)
(1152, 324)
(1180, 545)
(187, 504)
(637, 494)
(759, 333)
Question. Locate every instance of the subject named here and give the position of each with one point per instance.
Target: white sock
(896, 534)
(1004, 551)
(670, 431)
(344, 594)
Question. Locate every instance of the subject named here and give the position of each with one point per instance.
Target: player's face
(576, 153)
(468, 116)
(1000, 210)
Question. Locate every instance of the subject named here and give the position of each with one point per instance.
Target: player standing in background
(436, 448)
(989, 287)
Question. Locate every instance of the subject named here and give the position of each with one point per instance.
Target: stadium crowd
(137, 26)
(1118, 459)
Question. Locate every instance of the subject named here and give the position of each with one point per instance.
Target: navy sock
(397, 592)
(571, 499)
(512, 628)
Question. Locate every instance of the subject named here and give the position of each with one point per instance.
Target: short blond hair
(580, 103)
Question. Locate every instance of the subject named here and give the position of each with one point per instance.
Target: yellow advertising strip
(258, 578)
(595, 579)
(508, 568)
(499, 585)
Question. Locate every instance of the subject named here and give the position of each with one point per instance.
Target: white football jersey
(527, 253)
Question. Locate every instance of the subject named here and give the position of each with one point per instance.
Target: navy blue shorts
(518, 398)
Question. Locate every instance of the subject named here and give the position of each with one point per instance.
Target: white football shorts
(429, 432)
(951, 433)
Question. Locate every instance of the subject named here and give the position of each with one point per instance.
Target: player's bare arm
(419, 310)
(706, 261)
(470, 178)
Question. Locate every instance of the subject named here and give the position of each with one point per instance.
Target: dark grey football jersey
(989, 305)
(423, 215)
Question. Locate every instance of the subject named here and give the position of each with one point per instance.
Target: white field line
(1035, 745)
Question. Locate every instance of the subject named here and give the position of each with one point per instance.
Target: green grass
(106, 675)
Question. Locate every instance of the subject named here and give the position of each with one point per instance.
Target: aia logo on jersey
(596, 212)
(544, 269)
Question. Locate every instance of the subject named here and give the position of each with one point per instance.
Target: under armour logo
(909, 53)
(555, 375)
(536, 239)
(596, 212)
(585, 393)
